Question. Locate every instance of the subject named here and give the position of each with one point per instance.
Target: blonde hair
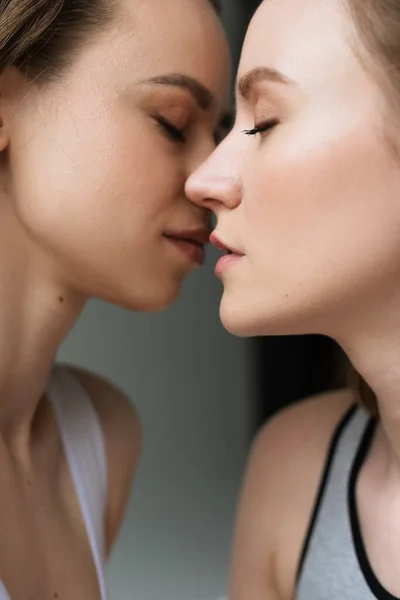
(378, 25)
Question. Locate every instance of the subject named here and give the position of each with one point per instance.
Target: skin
(313, 205)
(90, 182)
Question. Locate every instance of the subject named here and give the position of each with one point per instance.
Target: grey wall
(191, 383)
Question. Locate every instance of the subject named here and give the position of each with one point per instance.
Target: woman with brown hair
(106, 107)
(306, 190)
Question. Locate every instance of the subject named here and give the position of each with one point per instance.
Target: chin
(249, 320)
(239, 326)
(148, 301)
(238, 320)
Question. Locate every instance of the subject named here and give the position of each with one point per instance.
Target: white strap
(84, 447)
(3, 592)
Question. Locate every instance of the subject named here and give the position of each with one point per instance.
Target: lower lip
(193, 252)
(226, 262)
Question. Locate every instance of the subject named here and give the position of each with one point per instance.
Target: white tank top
(84, 447)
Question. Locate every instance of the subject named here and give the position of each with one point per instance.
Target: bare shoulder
(122, 433)
(300, 434)
(281, 483)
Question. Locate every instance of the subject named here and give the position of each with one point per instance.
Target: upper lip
(223, 246)
(200, 237)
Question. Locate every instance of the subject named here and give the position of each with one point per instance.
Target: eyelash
(262, 127)
(175, 134)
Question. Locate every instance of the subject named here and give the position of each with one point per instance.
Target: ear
(4, 133)
(11, 92)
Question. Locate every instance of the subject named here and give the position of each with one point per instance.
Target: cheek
(84, 179)
(323, 202)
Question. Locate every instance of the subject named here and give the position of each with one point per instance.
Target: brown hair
(364, 394)
(378, 25)
(40, 37)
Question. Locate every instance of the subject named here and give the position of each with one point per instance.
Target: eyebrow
(248, 81)
(202, 95)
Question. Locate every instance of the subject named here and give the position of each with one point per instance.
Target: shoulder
(281, 483)
(300, 432)
(122, 433)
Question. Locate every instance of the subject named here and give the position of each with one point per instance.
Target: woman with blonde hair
(306, 190)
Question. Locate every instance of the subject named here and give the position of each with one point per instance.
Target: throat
(36, 314)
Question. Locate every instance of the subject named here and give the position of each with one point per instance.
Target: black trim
(375, 586)
(322, 486)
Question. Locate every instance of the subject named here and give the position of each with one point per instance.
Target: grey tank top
(334, 563)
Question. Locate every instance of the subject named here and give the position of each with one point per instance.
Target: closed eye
(175, 134)
(262, 127)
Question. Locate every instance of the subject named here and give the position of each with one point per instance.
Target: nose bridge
(217, 180)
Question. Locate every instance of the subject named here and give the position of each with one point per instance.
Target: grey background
(192, 385)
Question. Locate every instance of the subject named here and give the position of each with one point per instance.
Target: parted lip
(200, 237)
(223, 246)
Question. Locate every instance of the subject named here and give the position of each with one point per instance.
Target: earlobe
(4, 133)
(10, 92)
(3, 137)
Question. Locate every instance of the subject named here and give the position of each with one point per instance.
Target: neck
(376, 356)
(36, 313)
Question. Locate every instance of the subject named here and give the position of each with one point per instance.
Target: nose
(215, 184)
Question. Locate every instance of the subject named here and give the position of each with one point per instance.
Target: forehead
(307, 40)
(173, 36)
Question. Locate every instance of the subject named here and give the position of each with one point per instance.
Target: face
(98, 161)
(309, 197)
